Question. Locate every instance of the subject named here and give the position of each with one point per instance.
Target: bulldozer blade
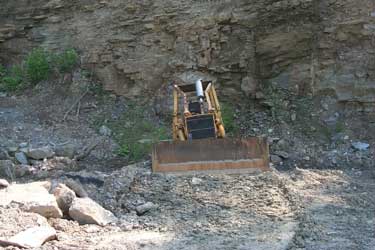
(222, 155)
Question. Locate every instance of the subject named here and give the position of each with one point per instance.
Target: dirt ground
(300, 208)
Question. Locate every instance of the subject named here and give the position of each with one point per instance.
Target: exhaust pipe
(199, 88)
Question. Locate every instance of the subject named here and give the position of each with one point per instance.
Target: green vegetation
(12, 79)
(37, 66)
(275, 98)
(228, 116)
(135, 133)
(66, 61)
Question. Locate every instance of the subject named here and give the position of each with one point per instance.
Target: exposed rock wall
(136, 46)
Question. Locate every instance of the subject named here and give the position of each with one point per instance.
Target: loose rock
(3, 183)
(105, 131)
(40, 153)
(3, 155)
(76, 187)
(64, 197)
(275, 159)
(360, 145)
(87, 211)
(68, 150)
(142, 209)
(7, 168)
(282, 154)
(21, 158)
(23, 145)
(34, 197)
(31, 238)
(196, 181)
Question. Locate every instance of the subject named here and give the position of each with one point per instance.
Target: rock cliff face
(137, 46)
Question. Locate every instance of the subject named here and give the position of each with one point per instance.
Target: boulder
(34, 197)
(3, 183)
(7, 168)
(40, 153)
(64, 197)
(144, 208)
(21, 158)
(30, 238)
(87, 211)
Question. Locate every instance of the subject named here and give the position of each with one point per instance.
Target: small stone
(346, 137)
(4, 155)
(68, 151)
(282, 154)
(23, 145)
(12, 150)
(87, 211)
(31, 237)
(21, 158)
(306, 158)
(142, 209)
(196, 181)
(64, 197)
(145, 141)
(282, 144)
(105, 131)
(293, 117)
(3, 183)
(360, 146)
(276, 159)
(40, 153)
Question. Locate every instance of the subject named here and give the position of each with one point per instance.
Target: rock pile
(24, 160)
(44, 200)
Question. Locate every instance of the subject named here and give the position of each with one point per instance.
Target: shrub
(37, 66)
(228, 116)
(66, 61)
(135, 133)
(12, 80)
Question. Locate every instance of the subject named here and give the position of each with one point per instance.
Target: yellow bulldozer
(199, 140)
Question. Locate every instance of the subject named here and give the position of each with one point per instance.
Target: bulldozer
(199, 139)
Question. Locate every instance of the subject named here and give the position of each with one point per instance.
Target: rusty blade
(211, 154)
